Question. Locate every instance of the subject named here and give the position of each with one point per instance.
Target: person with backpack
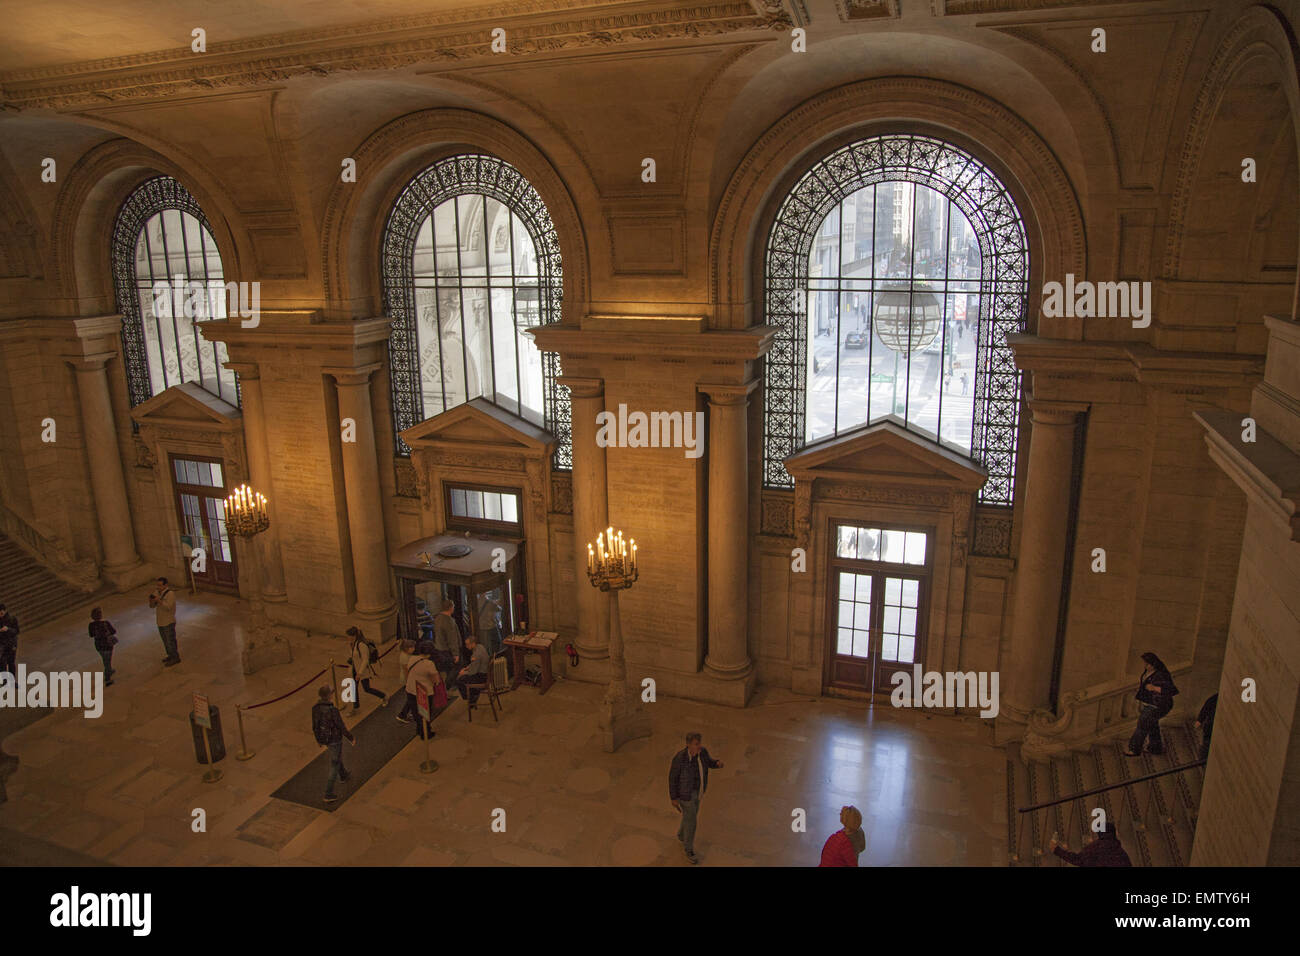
(327, 724)
(365, 667)
(1155, 695)
(104, 636)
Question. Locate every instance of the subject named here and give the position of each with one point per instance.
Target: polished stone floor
(124, 788)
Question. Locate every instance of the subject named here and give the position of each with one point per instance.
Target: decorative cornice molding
(388, 44)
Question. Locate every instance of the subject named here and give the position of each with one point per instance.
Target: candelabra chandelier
(246, 512)
(611, 564)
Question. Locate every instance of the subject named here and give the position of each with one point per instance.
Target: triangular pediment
(482, 425)
(886, 452)
(188, 404)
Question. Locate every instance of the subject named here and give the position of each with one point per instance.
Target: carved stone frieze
(841, 491)
(562, 492)
(406, 479)
(387, 44)
(993, 532)
(778, 515)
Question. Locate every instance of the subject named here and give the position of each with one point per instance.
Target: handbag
(440, 695)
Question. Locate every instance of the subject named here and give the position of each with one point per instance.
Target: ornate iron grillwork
(484, 177)
(149, 199)
(1002, 291)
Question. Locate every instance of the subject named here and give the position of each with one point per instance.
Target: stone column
(271, 585)
(590, 512)
(1027, 669)
(365, 503)
(728, 654)
(104, 457)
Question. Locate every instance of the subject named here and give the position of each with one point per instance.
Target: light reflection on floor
(122, 788)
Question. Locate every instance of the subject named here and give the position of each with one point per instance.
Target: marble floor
(123, 788)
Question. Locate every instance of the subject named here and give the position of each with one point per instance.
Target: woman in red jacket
(843, 846)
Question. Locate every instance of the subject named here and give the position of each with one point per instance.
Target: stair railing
(1138, 822)
(62, 563)
(1087, 715)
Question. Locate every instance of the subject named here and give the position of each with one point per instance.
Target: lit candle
(634, 555)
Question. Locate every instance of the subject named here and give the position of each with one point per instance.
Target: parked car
(855, 340)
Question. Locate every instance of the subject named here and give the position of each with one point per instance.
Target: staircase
(1154, 819)
(32, 593)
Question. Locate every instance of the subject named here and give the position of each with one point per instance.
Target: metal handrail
(1112, 786)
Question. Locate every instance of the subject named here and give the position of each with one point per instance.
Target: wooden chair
(491, 691)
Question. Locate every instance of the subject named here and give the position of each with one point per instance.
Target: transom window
(471, 260)
(168, 278)
(482, 507)
(895, 270)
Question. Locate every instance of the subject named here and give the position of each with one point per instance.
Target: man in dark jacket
(1103, 851)
(327, 724)
(446, 640)
(8, 642)
(688, 778)
(1205, 720)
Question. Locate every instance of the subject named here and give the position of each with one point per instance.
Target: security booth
(481, 574)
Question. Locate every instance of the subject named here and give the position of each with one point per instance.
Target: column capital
(1049, 412)
(94, 362)
(581, 387)
(727, 393)
(359, 375)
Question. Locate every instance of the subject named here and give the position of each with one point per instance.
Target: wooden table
(538, 642)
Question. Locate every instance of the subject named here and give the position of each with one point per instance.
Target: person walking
(8, 642)
(104, 635)
(843, 846)
(1205, 720)
(446, 640)
(163, 601)
(688, 779)
(423, 673)
(327, 724)
(405, 658)
(365, 667)
(1155, 694)
(1105, 850)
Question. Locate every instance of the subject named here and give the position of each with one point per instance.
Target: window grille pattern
(928, 292)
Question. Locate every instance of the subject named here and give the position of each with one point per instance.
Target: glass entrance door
(201, 511)
(878, 594)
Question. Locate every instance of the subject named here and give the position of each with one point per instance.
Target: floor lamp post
(611, 567)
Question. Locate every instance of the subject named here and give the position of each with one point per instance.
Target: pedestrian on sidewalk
(8, 642)
(844, 845)
(327, 724)
(104, 636)
(365, 667)
(163, 601)
(688, 778)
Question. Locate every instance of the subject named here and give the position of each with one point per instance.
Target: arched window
(470, 260)
(895, 270)
(168, 279)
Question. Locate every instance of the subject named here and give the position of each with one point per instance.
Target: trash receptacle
(215, 740)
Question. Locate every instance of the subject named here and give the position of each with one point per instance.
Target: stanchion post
(213, 774)
(429, 765)
(244, 752)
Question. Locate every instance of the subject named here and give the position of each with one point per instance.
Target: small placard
(201, 711)
(422, 700)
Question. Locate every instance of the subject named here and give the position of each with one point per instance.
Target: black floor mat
(379, 739)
